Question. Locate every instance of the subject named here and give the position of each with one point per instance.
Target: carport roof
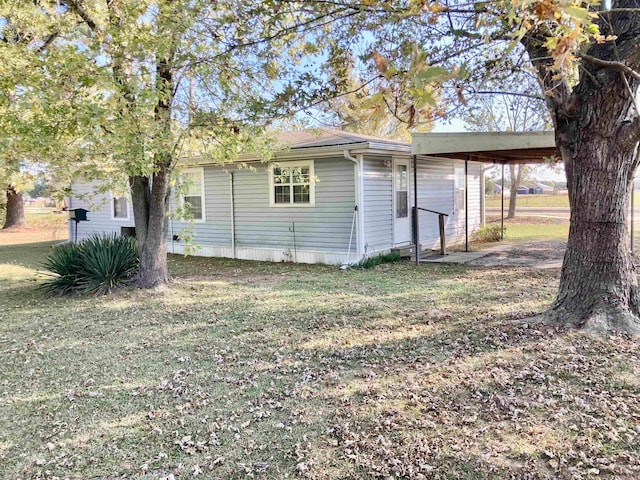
(529, 147)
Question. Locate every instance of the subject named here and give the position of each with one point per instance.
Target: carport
(490, 148)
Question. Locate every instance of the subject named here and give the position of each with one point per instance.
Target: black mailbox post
(78, 215)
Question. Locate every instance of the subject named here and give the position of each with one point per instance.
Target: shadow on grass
(389, 372)
(30, 255)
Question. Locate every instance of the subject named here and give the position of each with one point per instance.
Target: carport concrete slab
(461, 257)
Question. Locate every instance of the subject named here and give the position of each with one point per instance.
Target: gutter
(358, 169)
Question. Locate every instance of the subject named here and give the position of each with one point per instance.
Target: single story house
(539, 188)
(333, 197)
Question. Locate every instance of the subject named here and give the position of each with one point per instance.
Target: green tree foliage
(44, 102)
(184, 79)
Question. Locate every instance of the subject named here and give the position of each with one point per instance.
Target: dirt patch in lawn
(20, 236)
(534, 254)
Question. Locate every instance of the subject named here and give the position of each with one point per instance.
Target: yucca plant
(96, 265)
(65, 266)
(108, 261)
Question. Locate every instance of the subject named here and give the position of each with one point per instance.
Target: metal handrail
(433, 211)
(443, 242)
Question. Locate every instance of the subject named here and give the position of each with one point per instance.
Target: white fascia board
(469, 142)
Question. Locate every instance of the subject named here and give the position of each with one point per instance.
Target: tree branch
(515, 94)
(82, 13)
(50, 39)
(610, 64)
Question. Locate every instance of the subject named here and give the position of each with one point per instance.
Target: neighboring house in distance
(539, 188)
(302, 206)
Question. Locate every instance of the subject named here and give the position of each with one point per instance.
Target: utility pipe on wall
(358, 170)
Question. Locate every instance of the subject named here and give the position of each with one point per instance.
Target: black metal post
(502, 206)
(416, 226)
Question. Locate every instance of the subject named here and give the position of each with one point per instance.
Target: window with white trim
(119, 207)
(292, 184)
(192, 189)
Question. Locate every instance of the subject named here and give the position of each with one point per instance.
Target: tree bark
(150, 202)
(515, 173)
(15, 217)
(597, 132)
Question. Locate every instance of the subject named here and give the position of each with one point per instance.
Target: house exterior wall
(262, 232)
(378, 204)
(99, 216)
(441, 188)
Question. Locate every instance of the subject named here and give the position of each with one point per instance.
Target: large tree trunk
(15, 209)
(598, 287)
(597, 132)
(150, 202)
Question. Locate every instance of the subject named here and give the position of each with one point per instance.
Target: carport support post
(416, 235)
(502, 206)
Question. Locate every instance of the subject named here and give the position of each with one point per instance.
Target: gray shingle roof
(324, 137)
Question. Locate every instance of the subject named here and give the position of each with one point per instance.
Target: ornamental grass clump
(96, 265)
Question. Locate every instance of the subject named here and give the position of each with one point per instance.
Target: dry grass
(255, 370)
(44, 226)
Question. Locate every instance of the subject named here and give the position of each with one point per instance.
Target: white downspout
(359, 198)
(483, 216)
(233, 215)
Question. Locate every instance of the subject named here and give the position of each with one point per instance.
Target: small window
(402, 191)
(119, 208)
(192, 181)
(292, 184)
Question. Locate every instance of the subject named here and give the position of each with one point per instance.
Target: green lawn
(493, 201)
(556, 200)
(528, 229)
(256, 370)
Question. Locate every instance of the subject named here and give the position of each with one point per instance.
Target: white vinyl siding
(326, 227)
(101, 211)
(378, 204)
(441, 188)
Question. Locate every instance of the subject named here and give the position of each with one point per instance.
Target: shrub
(371, 262)
(64, 264)
(96, 265)
(489, 233)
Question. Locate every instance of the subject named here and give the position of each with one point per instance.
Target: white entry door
(401, 210)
